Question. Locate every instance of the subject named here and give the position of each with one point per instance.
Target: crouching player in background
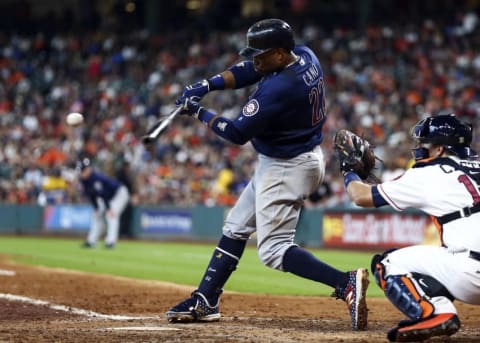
(109, 198)
(423, 281)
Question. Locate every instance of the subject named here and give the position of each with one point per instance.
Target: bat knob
(147, 140)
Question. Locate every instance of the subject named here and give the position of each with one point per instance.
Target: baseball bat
(160, 126)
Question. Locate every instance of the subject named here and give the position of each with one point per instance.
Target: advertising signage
(372, 230)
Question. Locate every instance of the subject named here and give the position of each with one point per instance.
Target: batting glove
(194, 91)
(191, 107)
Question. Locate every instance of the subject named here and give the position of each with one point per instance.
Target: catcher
(423, 281)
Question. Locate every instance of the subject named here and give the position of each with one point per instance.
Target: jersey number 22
(317, 100)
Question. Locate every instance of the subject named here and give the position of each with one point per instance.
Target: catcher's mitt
(355, 154)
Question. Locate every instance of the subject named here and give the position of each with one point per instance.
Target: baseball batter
(109, 198)
(283, 120)
(423, 281)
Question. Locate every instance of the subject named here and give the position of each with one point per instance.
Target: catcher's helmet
(446, 130)
(268, 34)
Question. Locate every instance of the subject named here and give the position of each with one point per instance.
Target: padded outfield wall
(332, 227)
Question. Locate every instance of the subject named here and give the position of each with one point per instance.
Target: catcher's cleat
(444, 324)
(354, 294)
(194, 309)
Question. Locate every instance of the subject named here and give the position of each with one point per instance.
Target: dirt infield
(91, 309)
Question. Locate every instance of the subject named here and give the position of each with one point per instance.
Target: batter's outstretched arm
(226, 129)
(241, 75)
(237, 76)
(223, 127)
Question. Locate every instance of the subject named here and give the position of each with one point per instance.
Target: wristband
(349, 177)
(216, 83)
(205, 116)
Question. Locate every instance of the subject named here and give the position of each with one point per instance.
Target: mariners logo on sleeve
(250, 108)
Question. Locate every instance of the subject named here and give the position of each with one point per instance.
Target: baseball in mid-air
(74, 119)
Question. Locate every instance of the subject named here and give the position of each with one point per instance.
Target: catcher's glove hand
(355, 154)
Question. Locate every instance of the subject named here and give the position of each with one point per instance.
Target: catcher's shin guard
(410, 293)
(404, 292)
(432, 287)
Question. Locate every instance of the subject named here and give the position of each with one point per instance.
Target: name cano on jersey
(311, 75)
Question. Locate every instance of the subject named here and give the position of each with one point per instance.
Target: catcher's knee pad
(378, 269)
(404, 292)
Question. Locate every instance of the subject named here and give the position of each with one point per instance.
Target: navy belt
(464, 212)
(475, 255)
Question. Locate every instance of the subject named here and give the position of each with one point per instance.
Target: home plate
(6, 272)
(142, 328)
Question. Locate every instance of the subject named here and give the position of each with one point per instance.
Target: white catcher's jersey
(439, 188)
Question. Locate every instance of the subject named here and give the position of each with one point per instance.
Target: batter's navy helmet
(446, 130)
(268, 34)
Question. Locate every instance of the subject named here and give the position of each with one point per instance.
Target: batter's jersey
(284, 115)
(439, 187)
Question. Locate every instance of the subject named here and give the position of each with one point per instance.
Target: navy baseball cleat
(354, 294)
(194, 309)
(444, 324)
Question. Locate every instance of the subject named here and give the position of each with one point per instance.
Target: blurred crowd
(379, 83)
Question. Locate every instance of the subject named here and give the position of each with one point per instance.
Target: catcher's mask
(268, 34)
(445, 130)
